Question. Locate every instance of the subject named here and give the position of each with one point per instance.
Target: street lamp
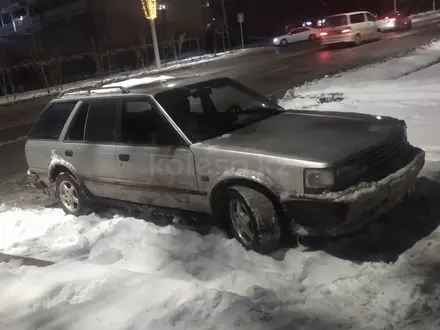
(150, 12)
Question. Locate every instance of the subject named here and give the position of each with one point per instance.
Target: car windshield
(215, 107)
(335, 21)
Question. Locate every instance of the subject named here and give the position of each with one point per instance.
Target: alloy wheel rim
(241, 221)
(69, 196)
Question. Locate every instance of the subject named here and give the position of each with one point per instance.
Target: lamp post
(150, 12)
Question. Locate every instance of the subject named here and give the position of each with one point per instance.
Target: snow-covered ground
(171, 66)
(118, 272)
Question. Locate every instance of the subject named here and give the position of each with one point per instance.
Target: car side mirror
(273, 99)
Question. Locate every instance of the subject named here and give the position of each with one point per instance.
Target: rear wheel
(252, 219)
(312, 37)
(358, 40)
(70, 195)
(379, 34)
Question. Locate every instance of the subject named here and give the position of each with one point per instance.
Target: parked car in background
(303, 33)
(394, 21)
(218, 148)
(353, 28)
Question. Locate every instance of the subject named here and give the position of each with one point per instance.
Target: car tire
(379, 34)
(70, 195)
(252, 219)
(283, 43)
(312, 37)
(357, 40)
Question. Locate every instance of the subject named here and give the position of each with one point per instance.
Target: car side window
(298, 30)
(52, 121)
(77, 128)
(142, 124)
(101, 122)
(370, 18)
(357, 18)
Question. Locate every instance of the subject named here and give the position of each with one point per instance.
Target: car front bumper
(338, 213)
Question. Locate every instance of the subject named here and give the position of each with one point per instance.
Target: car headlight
(319, 178)
(275, 40)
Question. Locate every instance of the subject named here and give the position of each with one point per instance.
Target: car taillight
(346, 31)
(392, 19)
(324, 33)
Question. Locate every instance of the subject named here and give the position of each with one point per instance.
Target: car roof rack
(89, 90)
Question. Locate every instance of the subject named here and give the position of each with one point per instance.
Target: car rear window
(51, 122)
(335, 21)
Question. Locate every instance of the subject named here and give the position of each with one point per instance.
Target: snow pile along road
(170, 66)
(427, 15)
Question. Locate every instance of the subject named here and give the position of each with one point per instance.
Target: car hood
(315, 136)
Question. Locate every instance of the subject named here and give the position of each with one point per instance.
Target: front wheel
(70, 195)
(358, 40)
(253, 219)
(312, 37)
(283, 43)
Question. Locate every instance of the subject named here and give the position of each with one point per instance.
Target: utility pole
(155, 43)
(433, 4)
(225, 23)
(150, 12)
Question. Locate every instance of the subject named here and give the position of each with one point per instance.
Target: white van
(354, 27)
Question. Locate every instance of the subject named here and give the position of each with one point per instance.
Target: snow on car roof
(149, 85)
(139, 81)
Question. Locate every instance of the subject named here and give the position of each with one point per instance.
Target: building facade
(67, 26)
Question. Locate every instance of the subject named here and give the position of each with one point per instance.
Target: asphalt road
(271, 71)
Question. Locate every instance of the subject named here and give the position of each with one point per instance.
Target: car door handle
(68, 153)
(124, 157)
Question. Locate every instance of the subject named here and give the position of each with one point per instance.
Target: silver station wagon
(218, 148)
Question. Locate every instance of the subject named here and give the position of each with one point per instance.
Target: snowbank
(171, 66)
(405, 87)
(123, 273)
(419, 17)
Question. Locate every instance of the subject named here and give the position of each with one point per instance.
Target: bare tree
(6, 82)
(55, 71)
(176, 44)
(97, 57)
(108, 55)
(39, 62)
(140, 51)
